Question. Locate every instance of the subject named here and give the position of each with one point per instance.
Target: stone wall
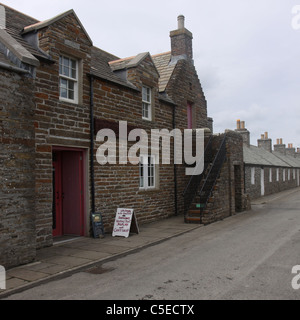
(17, 162)
(270, 187)
(58, 123)
(228, 195)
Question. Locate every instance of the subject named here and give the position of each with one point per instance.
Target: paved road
(249, 256)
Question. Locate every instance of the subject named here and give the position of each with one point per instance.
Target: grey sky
(246, 52)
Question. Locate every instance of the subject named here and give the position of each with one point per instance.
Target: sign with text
(98, 228)
(125, 223)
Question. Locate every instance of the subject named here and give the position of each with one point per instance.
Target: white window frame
(253, 175)
(283, 175)
(271, 175)
(69, 78)
(277, 174)
(147, 103)
(145, 183)
(289, 174)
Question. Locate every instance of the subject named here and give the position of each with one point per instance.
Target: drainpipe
(175, 167)
(92, 143)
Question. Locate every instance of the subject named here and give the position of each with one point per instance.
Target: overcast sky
(246, 52)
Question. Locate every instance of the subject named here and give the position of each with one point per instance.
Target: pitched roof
(15, 22)
(100, 68)
(131, 62)
(165, 68)
(291, 161)
(259, 156)
(42, 24)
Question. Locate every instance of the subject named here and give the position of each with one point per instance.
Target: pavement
(69, 256)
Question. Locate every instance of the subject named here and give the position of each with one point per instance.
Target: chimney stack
(243, 131)
(181, 41)
(265, 142)
(291, 150)
(280, 147)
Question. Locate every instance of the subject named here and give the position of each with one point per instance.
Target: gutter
(175, 168)
(92, 143)
(13, 68)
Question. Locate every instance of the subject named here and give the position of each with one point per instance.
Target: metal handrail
(200, 162)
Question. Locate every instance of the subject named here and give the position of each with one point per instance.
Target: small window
(270, 175)
(147, 172)
(277, 174)
(68, 79)
(283, 175)
(147, 103)
(289, 174)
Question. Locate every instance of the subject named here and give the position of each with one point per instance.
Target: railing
(195, 181)
(211, 178)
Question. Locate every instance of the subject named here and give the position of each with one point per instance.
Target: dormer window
(147, 103)
(68, 79)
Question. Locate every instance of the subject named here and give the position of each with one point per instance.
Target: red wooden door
(68, 190)
(72, 193)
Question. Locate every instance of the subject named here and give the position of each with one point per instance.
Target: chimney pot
(243, 125)
(262, 137)
(281, 141)
(266, 135)
(238, 124)
(181, 20)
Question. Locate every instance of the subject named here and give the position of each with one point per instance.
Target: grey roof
(15, 22)
(290, 160)
(100, 68)
(259, 156)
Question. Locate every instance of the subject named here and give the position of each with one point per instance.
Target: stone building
(66, 91)
(268, 170)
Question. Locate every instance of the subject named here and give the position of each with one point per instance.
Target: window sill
(146, 191)
(63, 100)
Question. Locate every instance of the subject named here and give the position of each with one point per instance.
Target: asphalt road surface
(248, 256)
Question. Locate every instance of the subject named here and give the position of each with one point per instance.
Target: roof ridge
(22, 13)
(160, 54)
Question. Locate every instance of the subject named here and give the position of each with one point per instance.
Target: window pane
(71, 95)
(63, 93)
(145, 111)
(74, 76)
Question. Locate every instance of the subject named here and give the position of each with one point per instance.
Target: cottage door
(72, 187)
(68, 190)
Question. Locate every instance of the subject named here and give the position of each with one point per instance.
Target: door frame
(84, 184)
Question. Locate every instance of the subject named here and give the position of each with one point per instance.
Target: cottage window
(283, 175)
(270, 175)
(147, 172)
(68, 79)
(147, 103)
(277, 174)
